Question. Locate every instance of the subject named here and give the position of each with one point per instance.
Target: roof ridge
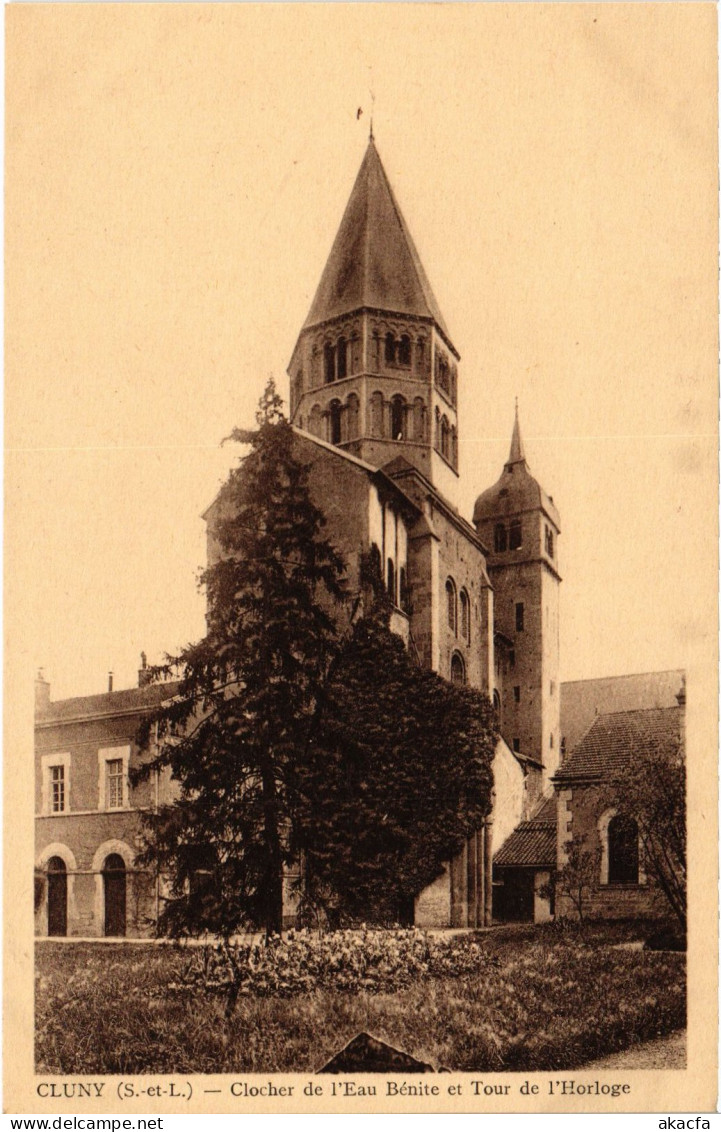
(421, 277)
(637, 710)
(366, 218)
(335, 450)
(624, 676)
(537, 822)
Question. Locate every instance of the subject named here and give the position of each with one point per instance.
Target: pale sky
(176, 175)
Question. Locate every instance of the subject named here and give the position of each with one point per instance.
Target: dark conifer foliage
(397, 776)
(232, 736)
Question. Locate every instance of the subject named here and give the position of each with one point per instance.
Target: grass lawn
(540, 999)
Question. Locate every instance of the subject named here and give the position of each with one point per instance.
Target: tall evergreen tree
(397, 776)
(232, 736)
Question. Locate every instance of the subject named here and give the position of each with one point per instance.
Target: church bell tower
(520, 524)
(374, 370)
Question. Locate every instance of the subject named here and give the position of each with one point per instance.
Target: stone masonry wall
(580, 807)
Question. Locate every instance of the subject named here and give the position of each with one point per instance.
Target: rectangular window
(114, 784)
(113, 769)
(519, 616)
(517, 694)
(56, 786)
(517, 745)
(57, 783)
(515, 539)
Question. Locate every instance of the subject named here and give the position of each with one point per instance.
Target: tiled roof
(373, 261)
(583, 700)
(604, 748)
(129, 700)
(532, 843)
(545, 809)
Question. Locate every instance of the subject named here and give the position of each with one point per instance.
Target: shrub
(668, 940)
(366, 960)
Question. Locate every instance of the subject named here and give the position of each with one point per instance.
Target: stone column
(488, 873)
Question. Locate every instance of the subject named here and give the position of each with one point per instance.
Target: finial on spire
(373, 106)
(516, 455)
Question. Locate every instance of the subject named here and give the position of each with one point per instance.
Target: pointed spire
(517, 454)
(373, 261)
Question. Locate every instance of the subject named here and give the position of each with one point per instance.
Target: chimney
(144, 674)
(681, 701)
(681, 694)
(110, 681)
(42, 693)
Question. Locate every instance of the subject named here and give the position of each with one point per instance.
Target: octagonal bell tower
(374, 369)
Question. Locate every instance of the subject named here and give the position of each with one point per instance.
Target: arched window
(315, 366)
(403, 593)
(57, 897)
(398, 413)
(354, 352)
(390, 348)
(377, 414)
(342, 349)
(454, 446)
(391, 581)
(375, 563)
(404, 351)
(458, 669)
(114, 892)
(442, 378)
(419, 419)
(376, 351)
(437, 439)
(297, 387)
(549, 542)
(352, 407)
(328, 362)
(499, 538)
(314, 420)
(515, 537)
(622, 850)
(497, 702)
(445, 438)
(451, 605)
(465, 617)
(420, 356)
(335, 419)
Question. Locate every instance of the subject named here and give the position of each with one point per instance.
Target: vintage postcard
(367, 761)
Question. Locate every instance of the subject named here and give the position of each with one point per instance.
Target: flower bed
(349, 962)
(500, 1001)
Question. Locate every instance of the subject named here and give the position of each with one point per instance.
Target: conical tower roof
(517, 454)
(373, 261)
(516, 490)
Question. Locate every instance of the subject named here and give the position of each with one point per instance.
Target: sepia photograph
(361, 554)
